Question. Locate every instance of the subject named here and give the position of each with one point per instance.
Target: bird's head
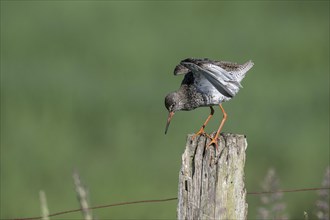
(173, 103)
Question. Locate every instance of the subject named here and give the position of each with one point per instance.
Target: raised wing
(237, 70)
(224, 76)
(180, 70)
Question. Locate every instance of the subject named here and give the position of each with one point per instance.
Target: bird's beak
(170, 115)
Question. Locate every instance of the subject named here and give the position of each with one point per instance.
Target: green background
(83, 86)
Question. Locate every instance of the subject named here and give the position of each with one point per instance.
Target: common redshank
(206, 83)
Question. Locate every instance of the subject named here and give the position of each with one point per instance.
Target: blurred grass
(83, 85)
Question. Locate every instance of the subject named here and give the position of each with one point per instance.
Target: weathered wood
(211, 184)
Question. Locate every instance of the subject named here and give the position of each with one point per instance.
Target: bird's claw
(200, 132)
(213, 141)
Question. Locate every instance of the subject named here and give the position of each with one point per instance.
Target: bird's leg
(201, 131)
(215, 139)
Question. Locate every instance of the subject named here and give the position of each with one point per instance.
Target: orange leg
(201, 131)
(215, 139)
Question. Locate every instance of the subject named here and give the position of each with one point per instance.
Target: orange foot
(200, 132)
(214, 141)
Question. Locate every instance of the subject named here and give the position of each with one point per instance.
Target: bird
(206, 83)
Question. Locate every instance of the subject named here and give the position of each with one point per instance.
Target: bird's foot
(200, 132)
(214, 141)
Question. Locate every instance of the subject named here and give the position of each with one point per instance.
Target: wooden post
(211, 184)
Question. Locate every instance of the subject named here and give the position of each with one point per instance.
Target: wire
(164, 200)
(100, 207)
(287, 191)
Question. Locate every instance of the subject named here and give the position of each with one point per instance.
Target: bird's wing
(227, 76)
(217, 76)
(180, 70)
(238, 71)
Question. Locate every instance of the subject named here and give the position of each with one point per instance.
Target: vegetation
(83, 85)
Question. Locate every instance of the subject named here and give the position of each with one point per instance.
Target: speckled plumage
(197, 91)
(206, 83)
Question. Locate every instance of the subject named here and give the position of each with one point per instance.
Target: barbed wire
(164, 200)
